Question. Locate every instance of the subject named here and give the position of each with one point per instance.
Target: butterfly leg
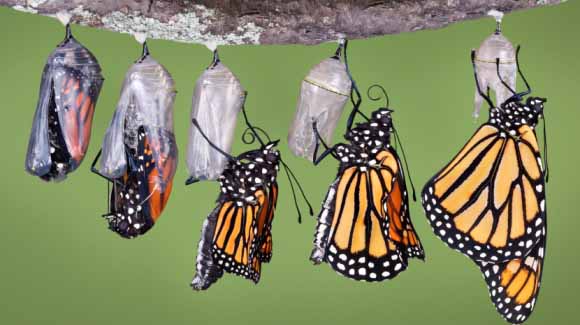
(328, 150)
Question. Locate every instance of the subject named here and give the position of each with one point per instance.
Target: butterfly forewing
(488, 202)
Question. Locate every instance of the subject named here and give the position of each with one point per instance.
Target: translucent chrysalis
(217, 99)
(323, 95)
(139, 154)
(61, 129)
(495, 47)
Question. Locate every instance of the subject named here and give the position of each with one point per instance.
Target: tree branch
(269, 21)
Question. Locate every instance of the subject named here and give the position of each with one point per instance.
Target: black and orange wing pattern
(489, 202)
(139, 197)
(396, 206)
(364, 230)
(265, 224)
(514, 285)
(237, 236)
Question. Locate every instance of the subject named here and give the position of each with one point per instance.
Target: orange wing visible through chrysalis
(160, 184)
(514, 285)
(77, 99)
(488, 203)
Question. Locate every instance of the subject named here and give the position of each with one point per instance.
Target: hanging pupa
(61, 129)
(323, 95)
(217, 99)
(496, 46)
(139, 154)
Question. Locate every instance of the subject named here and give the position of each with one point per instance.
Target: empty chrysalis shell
(139, 153)
(323, 95)
(217, 99)
(61, 129)
(494, 47)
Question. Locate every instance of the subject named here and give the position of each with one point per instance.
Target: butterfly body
(236, 237)
(137, 198)
(139, 151)
(489, 202)
(364, 230)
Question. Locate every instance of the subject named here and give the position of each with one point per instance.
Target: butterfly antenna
(250, 126)
(505, 84)
(398, 139)
(529, 89)
(378, 97)
(213, 145)
(481, 93)
(353, 91)
(292, 178)
(546, 149)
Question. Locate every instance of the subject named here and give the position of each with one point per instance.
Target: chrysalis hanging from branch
(139, 154)
(323, 95)
(217, 99)
(61, 129)
(494, 47)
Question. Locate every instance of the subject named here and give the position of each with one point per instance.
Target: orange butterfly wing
(514, 285)
(489, 202)
(398, 221)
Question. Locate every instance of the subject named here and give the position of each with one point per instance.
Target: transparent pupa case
(323, 95)
(496, 46)
(61, 129)
(217, 99)
(146, 102)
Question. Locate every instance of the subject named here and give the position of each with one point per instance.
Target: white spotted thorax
(513, 113)
(250, 171)
(366, 140)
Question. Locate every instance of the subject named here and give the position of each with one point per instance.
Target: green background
(60, 264)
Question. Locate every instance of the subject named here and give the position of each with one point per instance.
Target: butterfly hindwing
(398, 223)
(489, 202)
(514, 285)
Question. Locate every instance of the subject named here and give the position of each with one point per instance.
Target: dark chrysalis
(237, 235)
(61, 129)
(364, 229)
(139, 153)
(489, 202)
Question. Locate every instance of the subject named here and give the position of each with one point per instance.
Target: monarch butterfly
(364, 229)
(61, 129)
(489, 201)
(236, 237)
(139, 150)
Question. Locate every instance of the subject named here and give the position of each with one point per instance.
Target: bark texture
(270, 21)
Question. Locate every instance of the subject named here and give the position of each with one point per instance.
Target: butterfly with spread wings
(489, 201)
(236, 237)
(364, 229)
